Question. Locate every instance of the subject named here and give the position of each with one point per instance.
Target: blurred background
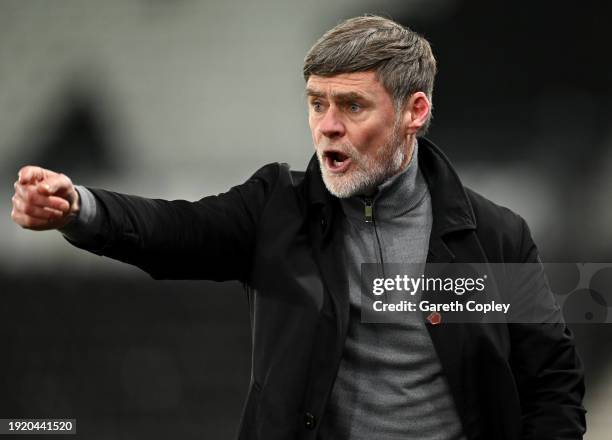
(183, 98)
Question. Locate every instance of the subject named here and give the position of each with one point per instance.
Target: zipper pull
(369, 211)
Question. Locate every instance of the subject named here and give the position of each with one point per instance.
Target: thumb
(45, 189)
(58, 184)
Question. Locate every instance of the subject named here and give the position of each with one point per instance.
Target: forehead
(363, 83)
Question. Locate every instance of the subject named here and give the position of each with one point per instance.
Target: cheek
(366, 141)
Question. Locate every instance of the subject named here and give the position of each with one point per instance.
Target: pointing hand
(43, 199)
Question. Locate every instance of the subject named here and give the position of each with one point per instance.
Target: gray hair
(402, 59)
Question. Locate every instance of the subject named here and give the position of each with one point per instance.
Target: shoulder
(273, 184)
(490, 214)
(278, 173)
(502, 232)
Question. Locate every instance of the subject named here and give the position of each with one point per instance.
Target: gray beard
(366, 173)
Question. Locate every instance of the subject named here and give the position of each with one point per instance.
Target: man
(371, 193)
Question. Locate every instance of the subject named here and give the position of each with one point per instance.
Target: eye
(354, 108)
(316, 106)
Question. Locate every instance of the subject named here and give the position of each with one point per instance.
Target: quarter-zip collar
(393, 198)
(452, 210)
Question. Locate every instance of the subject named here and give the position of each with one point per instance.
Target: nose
(331, 125)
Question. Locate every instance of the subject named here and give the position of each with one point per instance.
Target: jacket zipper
(369, 218)
(369, 211)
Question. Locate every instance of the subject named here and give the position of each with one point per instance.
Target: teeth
(337, 162)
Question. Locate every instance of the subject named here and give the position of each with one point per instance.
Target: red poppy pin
(434, 318)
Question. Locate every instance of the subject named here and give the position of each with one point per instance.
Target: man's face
(357, 136)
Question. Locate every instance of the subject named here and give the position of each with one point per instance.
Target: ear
(416, 112)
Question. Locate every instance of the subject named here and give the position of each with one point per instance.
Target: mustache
(345, 148)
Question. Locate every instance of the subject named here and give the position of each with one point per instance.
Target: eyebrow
(342, 97)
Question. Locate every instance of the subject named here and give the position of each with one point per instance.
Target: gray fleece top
(390, 384)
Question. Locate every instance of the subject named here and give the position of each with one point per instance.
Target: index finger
(30, 174)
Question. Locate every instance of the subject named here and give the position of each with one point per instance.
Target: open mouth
(336, 161)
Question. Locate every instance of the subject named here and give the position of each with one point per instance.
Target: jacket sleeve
(548, 371)
(211, 238)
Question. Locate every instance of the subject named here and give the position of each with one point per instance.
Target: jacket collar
(452, 210)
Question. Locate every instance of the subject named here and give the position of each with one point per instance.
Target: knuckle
(25, 171)
(30, 196)
(20, 191)
(29, 210)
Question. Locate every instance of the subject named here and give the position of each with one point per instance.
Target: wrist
(75, 203)
(73, 212)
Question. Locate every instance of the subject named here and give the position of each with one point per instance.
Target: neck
(411, 142)
(410, 145)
